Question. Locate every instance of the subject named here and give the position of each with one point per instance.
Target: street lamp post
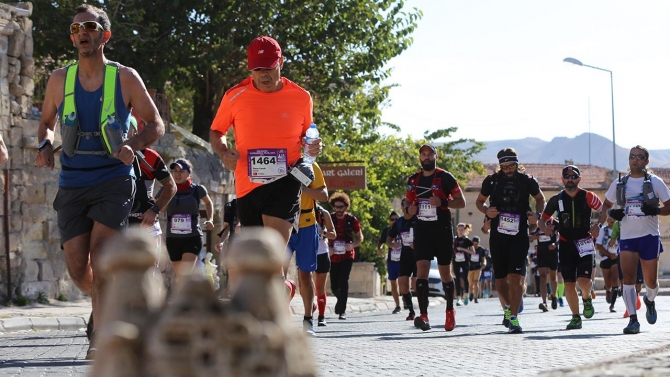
(577, 62)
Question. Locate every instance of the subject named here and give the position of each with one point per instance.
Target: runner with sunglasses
(508, 191)
(342, 249)
(267, 143)
(576, 247)
(392, 260)
(638, 194)
(96, 184)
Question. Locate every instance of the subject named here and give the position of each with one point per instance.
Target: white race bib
(459, 257)
(585, 246)
(426, 211)
(544, 238)
(395, 254)
(180, 224)
(407, 237)
(266, 165)
(474, 258)
(634, 207)
(508, 223)
(339, 247)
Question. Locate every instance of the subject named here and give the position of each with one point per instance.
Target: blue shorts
(305, 243)
(393, 269)
(649, 247)
(486, 275)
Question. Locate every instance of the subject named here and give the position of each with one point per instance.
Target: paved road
(381, 344)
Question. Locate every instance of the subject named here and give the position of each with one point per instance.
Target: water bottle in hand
(311, 135)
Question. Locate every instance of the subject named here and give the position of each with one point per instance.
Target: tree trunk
(204, 110)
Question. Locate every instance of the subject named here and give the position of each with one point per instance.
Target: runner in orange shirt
(269, 115)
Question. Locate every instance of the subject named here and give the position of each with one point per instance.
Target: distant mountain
(561, 149)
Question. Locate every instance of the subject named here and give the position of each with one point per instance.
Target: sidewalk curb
(42, 324)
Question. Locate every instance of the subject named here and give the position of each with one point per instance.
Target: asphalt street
(382, 344)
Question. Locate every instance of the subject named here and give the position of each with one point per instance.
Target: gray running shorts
(108, 203)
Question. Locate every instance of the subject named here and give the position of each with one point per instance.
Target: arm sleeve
(594, 201)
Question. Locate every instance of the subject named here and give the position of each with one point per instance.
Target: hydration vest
(650, 197)
(575, 217)
(110, 131)
(435, 186)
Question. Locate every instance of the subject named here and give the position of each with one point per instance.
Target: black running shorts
(572, 265)
(280, 198)
(509, 254)
(433, 241)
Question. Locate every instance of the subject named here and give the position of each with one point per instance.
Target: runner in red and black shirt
(432, 192)
(342, 249)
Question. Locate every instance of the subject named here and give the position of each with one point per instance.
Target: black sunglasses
(339, 207)
(637, 157)
(393, 218)
(570, 176)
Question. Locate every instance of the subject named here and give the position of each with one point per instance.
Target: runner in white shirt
(638, 195)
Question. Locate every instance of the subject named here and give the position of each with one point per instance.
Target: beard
(428, 165)
(570, 186)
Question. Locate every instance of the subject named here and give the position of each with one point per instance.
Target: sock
(651, 293)
(407, 299)
(449, 292)
(615, 294)
(560, 289)
(422, 295)
(306, 318)
(321, 303)
(630, 298)
(633, 317)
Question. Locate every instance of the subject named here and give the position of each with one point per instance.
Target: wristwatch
(43, 144)
(156, 209)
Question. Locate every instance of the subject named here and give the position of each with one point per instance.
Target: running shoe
(308, 326)
(632, 328)
(651, 310)
(612, 309)
(343, 316)
(588, 308)
(465, 301)
(472, 297)
(476, 301)
(92, 347)
(506, 317)
(321, 321)
(459, 302)
(608, 297)
(422, 322)
(638, 304)
(593, 294)
(560, 302)
(626, 315)
(450, 321)
(396, 310)
(575, 323)
(554, 302)
(89, 327)
(410, 317)
(514, 327)
(543, 307)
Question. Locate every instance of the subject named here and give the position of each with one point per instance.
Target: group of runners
(92, 100)
(567, 236)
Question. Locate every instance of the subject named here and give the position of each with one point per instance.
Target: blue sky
(495, 70)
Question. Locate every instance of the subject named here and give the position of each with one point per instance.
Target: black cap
(475, 239)
(432, 148)
(571, 169)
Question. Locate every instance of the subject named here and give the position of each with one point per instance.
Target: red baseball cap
(263, 52)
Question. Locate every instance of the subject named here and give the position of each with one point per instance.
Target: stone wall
(37, 264)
